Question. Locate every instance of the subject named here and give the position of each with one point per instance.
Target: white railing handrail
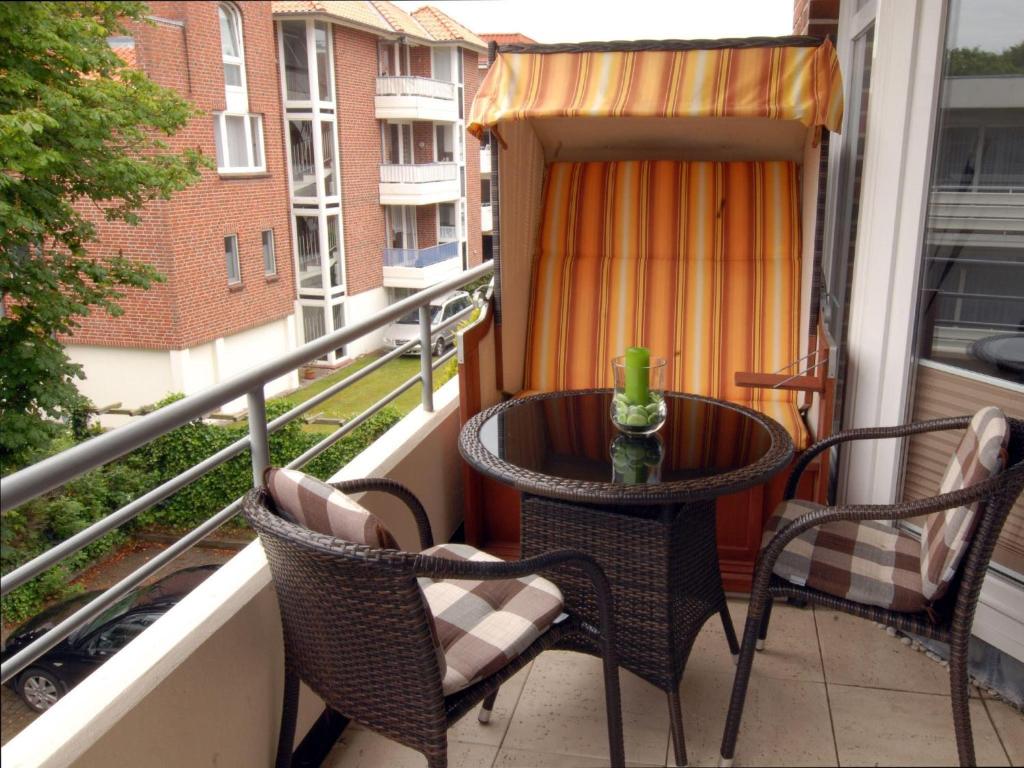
(414, 85)
(417, 173)
(52, 472)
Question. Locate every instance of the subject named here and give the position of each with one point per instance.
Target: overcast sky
(558, 21)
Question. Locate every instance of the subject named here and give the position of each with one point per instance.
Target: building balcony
(485, 161)
(486, 221)
(983, 216)
(420, 267)
(422, 184)
(415, 98)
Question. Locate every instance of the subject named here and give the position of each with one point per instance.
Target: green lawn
(361, 395)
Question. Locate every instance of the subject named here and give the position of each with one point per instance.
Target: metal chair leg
(289, 712)
(960, 696)
(762, 633)
(487, 707)
(675, 716)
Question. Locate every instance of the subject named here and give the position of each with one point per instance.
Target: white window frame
(232, 258)
(251, 120)
(236, 96)
(269, 265)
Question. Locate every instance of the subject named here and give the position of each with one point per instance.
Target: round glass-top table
(643, 507)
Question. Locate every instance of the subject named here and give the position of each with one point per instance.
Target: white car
(407, 327)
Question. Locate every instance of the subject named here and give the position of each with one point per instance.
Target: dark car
(66, 664)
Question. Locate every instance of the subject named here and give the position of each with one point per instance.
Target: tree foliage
(965, 62)
(82, 137)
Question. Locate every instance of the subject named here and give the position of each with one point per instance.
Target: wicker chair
(357, 631)
(950, 619)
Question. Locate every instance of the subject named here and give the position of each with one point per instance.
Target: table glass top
(572, 437)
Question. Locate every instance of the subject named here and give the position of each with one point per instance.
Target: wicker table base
(662, 562)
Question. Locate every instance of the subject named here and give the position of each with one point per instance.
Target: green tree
(81, 135)
(975, 61)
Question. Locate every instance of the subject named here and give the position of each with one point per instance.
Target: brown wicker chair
(356, 628)
(950, 622)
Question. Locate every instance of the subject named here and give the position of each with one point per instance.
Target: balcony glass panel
(300, 148)
(313, 323)
(334, 259)
(420, 257)
(296, 60)
(971, 307)
(323, 61)
(307, 233)
(327, 142)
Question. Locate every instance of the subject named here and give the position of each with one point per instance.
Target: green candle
(638, 361)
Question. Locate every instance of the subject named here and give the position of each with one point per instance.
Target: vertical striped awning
(782, 79)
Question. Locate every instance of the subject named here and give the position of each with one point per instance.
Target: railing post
(426, 371)
(258, 437)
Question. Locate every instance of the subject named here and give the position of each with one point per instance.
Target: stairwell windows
(296, 60)
(307, 239)
(321, 47)
(307, 61)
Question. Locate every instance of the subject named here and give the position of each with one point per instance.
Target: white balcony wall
(486, 221)
(421, 184)
(203, 685)
(485, 162)
(415, 98)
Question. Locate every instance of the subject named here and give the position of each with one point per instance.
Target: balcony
(420, 267)
(415, 98)
(205, 686)
(486, 221)
(485, 161)
(422, 184)
(983, 216)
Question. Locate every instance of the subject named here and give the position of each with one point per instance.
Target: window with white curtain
(238, 135)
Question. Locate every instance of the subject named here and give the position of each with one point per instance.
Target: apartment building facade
(344, 180)
(223, 245)
(384, 180)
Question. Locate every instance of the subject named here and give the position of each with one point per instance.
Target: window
(307, 231)
(323, 68)
(442, 64)
(443, 142)
(116, 637)
(231, 256)
(231, 47)
(300, 151)
(296, 60)
(269, 257)
(398, 144)
(314, 325)
(239, 142)
(335, 260)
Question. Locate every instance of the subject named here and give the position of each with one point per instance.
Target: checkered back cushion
(315, 505)
(981, 454)
(867, 562)
(483, 625)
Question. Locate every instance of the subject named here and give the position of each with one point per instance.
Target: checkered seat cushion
(867, 562)
(483, 625)
(315, 505)
(944, 538)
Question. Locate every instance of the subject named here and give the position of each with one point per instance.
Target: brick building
(344, 180)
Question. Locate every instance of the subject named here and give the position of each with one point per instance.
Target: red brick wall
(184, 237)
(426, 226)
(355, 65)
(419, 60)
(816, 17)
(471, 82)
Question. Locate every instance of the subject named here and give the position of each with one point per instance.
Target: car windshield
(413, 318)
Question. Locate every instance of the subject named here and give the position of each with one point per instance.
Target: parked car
(407, 327)
(70, 661)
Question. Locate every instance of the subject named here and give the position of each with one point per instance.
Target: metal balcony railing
(420, 173)
(406, 85)
(55, 471)
(420, 257)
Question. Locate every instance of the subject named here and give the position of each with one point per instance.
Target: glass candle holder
(636, 460)
(638, 404)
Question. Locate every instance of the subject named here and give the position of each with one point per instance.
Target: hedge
(35, 527)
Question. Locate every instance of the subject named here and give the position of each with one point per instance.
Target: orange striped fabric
(698, 261)
(778, 82)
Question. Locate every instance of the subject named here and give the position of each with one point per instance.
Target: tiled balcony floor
(829, 689)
